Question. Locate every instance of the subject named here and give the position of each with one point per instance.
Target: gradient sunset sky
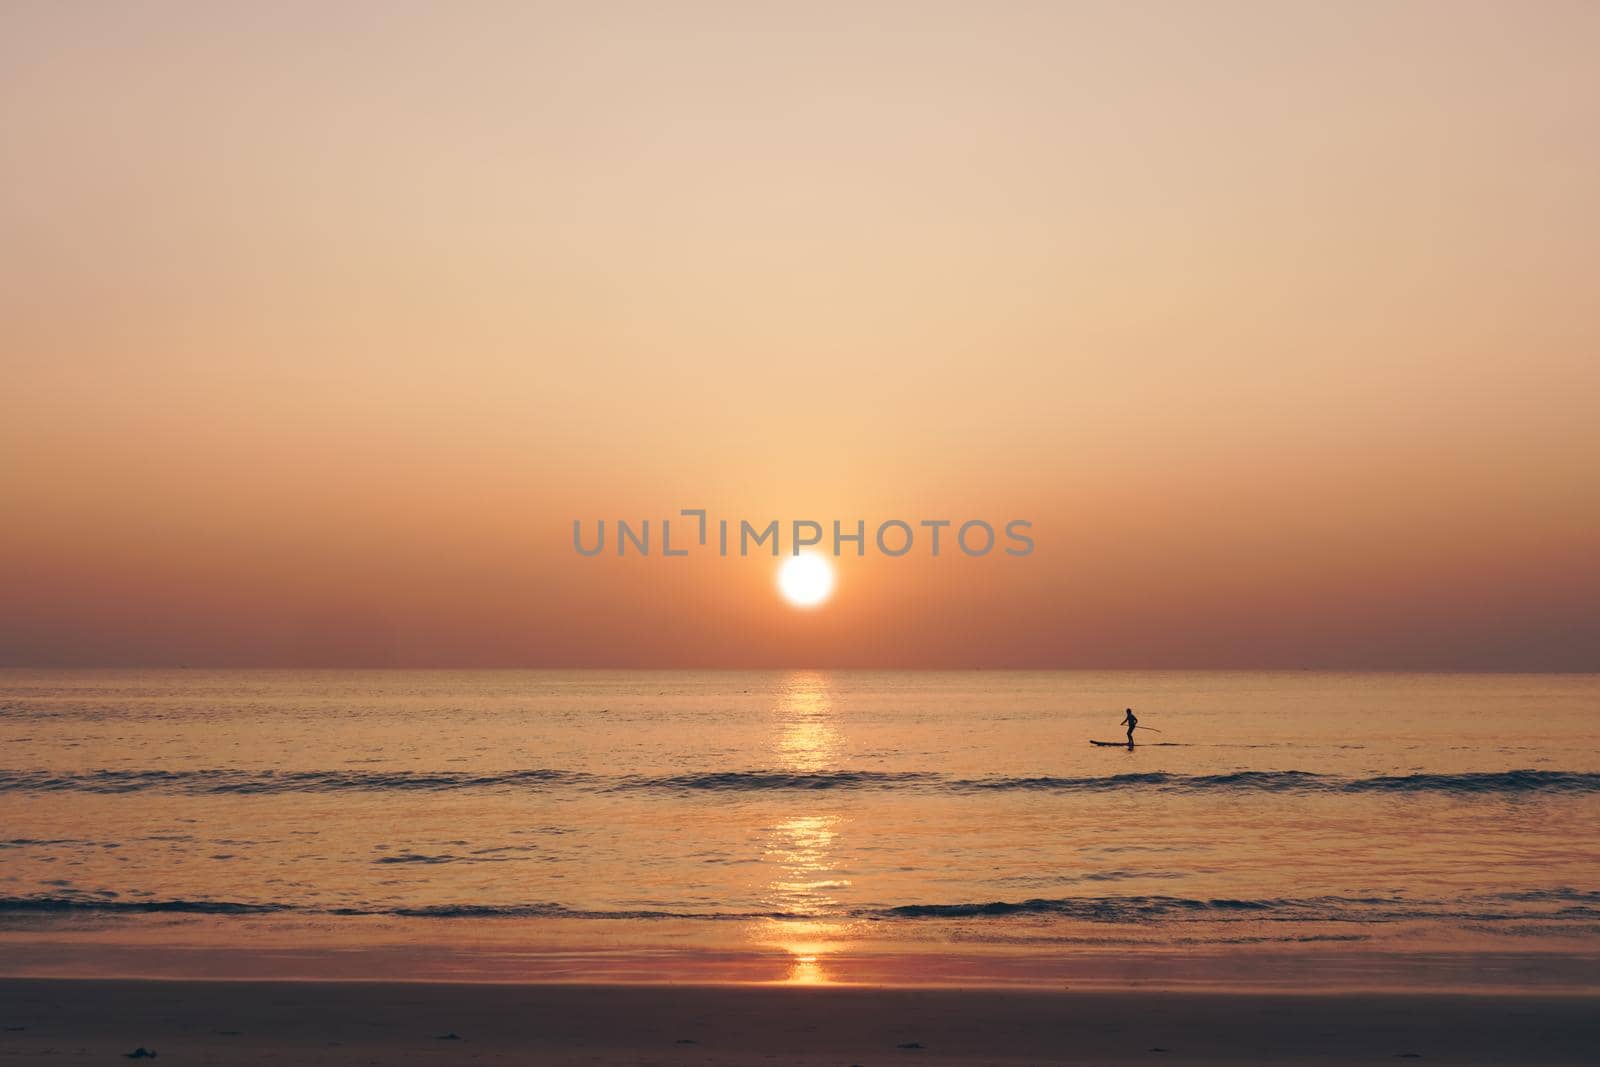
(322, 323)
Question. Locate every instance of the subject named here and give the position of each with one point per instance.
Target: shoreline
(336, 1023)
(504, 952)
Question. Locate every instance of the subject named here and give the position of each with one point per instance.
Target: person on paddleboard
(1130, 720)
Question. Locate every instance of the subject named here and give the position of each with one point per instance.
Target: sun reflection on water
(806, 737)
(800, 848)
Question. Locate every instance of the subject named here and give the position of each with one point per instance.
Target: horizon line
(1012, 669)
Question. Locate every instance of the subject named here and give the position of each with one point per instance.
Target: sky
(323, 323)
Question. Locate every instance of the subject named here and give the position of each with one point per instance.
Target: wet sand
(92, 1021)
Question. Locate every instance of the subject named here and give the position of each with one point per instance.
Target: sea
(1284, 830)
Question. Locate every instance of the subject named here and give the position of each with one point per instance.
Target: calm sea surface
(805, 826)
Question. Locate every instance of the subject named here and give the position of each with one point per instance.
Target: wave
(1254, 780)
(72, 903)
(1331, 909)
(245, 782)
(1491, 908)
(59, 904)
(1516, 781)
(743, 781)
(248, 782)
(1493, 782)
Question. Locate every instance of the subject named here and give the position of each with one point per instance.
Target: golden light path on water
(800, 848)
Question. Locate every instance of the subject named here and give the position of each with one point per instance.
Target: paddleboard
(1110, 744)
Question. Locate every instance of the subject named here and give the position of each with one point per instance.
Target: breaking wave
(1563, 904)
(245, 782)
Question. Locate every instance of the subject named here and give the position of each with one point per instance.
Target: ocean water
(806, 826)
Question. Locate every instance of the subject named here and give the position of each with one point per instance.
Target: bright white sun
(805, 580)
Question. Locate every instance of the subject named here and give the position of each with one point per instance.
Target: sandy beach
(68, 1022)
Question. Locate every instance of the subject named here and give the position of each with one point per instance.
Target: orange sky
(1277, 320)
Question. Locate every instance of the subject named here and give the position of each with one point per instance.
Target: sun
(805, 580)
